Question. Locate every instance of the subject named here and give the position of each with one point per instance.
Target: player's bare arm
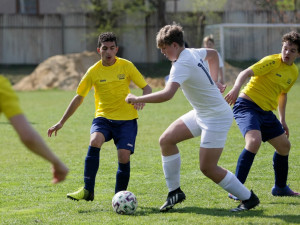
(213, 62)
(161, 96)
(146, 90)
(282, 101)
(34, 142)
(74, 104)
(234, 92)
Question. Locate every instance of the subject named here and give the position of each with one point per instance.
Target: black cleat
(250, 203)
(174, 197)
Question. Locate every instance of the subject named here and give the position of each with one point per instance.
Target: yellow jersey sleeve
(111, 86)
(9, 102)
(271, 78)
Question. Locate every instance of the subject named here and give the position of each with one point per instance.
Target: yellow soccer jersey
(9, 102)
(271, 78)
(111, 86)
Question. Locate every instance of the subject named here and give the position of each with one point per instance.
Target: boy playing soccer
(114, 118)
(271, 79)
(210, 118)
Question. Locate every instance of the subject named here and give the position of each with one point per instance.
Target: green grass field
(28, 197)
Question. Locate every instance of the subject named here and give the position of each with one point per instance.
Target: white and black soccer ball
(124, 202)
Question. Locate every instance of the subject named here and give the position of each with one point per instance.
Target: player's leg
(182, 129)
(209, 158)
(99, 134)
(281, 166)
(248, 117)
(246, 158)
(124, 135)
(92, 160)
(123, 172)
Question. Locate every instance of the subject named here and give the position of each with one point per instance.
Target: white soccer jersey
(197, 85)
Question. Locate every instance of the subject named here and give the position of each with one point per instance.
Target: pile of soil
(60, 71)
(65, 72)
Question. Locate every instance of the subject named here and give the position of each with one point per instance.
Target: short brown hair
(169, 34)
(292, 37)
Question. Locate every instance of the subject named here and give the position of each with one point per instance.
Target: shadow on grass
(8, 123)
(218, 212)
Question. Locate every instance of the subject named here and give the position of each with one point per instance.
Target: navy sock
(122, 177)
(91, 167)
(244, 164)
(281, 167)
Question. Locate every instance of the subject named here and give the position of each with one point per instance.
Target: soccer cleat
(231, 196)
(81, 194)
(250, 203)
(286, 191)
(173, 198)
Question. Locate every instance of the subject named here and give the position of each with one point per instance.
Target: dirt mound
(65, 72)
(60, 71)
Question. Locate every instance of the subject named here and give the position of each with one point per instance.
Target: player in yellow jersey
(9, 105)
(114, 118)
(271, 79)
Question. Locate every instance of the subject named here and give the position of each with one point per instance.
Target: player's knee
(287, 146)
(165, 140)
(253, 144)
(123, 156)
(96, 142)
(97, 139)
(206, 170)
(162, 140)
(284, 148)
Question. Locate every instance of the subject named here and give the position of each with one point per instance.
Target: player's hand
(221, 87)
(232, 96)
(54, 128)
(59, 172)
(138, 106)
(286, 129)
(131, 99)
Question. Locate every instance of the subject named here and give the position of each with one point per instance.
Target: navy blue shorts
(123, 132)
(250, 116)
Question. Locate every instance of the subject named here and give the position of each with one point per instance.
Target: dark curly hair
(107, 37)
(292, 37)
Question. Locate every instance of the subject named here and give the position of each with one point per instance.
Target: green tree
(108, 14)
(280, 7)
(204, 12)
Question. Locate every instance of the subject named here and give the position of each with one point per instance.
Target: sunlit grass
(27, 197)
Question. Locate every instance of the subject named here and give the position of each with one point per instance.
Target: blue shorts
(250, 116)
(123, 132)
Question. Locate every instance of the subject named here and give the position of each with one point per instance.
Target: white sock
(232, 185)
(171, 166)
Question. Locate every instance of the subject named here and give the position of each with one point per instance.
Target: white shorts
(213, 131)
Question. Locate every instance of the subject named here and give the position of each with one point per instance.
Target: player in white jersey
(210, 118)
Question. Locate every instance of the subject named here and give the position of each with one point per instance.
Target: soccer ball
(124, 202)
